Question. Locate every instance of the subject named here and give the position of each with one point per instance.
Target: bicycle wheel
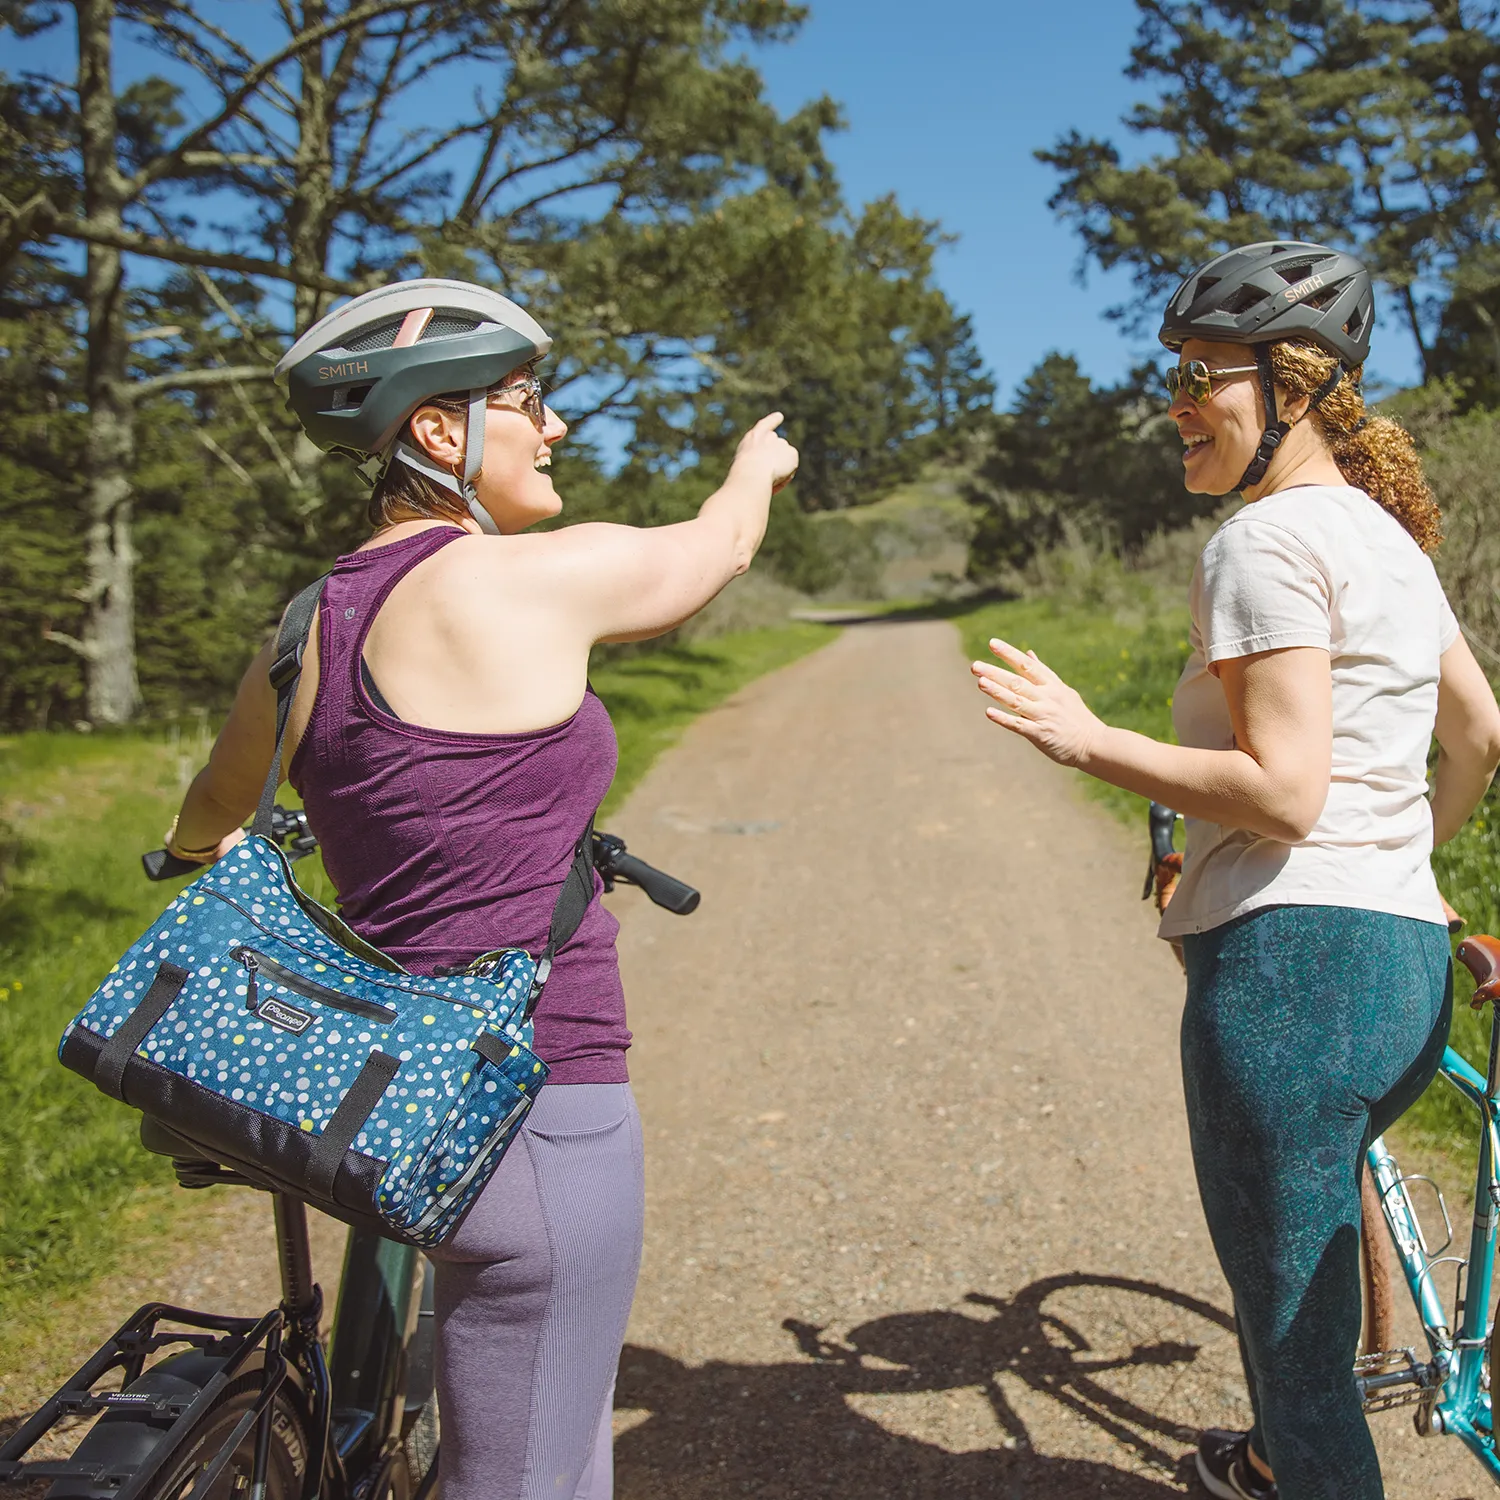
(286, 1460)
(121, 1439)
(1377, 1278)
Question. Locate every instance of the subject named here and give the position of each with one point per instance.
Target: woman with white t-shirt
(1324, 659)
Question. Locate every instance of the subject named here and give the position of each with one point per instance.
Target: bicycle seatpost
(299, 1293)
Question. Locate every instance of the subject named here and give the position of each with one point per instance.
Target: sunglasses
(1194, 380)
(528, 388)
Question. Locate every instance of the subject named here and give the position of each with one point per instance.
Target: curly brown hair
(1380, 457)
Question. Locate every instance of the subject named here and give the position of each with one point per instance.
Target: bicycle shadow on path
(795, 1429)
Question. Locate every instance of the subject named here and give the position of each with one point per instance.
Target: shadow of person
(1101, 1364)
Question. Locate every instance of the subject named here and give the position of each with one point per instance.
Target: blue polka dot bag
(255, 1024)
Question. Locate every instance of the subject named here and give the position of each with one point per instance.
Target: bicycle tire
(420, 1446)
(286, 1460)
(1377, 1279)
(130, 1438)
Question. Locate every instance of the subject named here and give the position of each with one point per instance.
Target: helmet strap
(473, 462)
(1276, 430)
(479, 401)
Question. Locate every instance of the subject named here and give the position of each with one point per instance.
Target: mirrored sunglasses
(1194, 379)
(525, 391)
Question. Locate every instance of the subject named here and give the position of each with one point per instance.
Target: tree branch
(226, 458)
(228, 159)
(168, 162)
(86, 651)
(193, 380)
(133, 243)
(377, 104)
(388, 175)
(22, 222)
(577, 149)
(599, 408)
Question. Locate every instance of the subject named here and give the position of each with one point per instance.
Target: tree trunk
(310, 228)
(113, 691)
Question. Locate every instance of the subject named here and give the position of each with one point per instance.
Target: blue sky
(946, 100)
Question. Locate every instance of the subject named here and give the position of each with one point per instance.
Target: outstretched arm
(630, 582)
(1273, 783)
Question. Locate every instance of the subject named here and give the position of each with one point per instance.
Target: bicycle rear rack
(234, 1340)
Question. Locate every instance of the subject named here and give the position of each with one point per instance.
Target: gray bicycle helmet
(356, 376)
(1261, 294)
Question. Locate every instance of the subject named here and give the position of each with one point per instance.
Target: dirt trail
(922, 1222)
(922, 1219)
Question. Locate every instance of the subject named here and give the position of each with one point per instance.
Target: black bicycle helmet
(356, 376)
(1261, 294)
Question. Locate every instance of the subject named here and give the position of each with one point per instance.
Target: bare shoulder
(541, 563)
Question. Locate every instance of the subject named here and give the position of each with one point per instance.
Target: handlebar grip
(1163, 829)
(159, 865)
(1480, 955)
(659, 886)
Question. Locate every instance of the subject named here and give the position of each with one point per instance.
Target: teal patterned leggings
(1308, 1031)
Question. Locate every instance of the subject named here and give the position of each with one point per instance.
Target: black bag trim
(347, 1121)
(270, 1149)
(493, 1049)
(109, 1069)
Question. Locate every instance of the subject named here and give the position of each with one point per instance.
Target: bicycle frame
(1462, 1400)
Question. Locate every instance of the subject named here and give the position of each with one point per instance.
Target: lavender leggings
(532, 1298)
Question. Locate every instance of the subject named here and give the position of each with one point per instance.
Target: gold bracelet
(170, 835)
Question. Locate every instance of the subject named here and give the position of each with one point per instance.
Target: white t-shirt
(1326, 567)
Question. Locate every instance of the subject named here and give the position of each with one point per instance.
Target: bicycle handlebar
(159, 865)
(614, 864)
(289, 829)
(1163, 826)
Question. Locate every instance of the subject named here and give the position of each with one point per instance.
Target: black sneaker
(1225, 1469)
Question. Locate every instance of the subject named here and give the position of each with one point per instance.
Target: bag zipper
(403, 989)
(324, 994)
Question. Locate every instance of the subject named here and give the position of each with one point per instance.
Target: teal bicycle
(1449, 1389)
(1447, 1385)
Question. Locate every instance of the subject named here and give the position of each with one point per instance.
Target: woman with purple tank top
(450, 755)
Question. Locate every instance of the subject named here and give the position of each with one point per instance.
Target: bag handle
(286, 669)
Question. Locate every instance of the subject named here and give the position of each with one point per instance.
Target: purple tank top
(445, 845)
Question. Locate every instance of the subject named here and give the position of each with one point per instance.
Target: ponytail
(1375, 454)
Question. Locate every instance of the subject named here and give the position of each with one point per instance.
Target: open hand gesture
(1031, 700)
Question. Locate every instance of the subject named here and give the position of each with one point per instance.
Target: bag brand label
(287, 1017)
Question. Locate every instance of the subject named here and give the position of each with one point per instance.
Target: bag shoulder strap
(286, 669)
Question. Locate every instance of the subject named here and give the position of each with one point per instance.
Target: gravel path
(922, 1221)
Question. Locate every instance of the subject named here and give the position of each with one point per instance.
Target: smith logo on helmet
(349, 367)
(1302, 288)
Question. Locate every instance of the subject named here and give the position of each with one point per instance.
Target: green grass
(1127, 673)
(76, 813)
